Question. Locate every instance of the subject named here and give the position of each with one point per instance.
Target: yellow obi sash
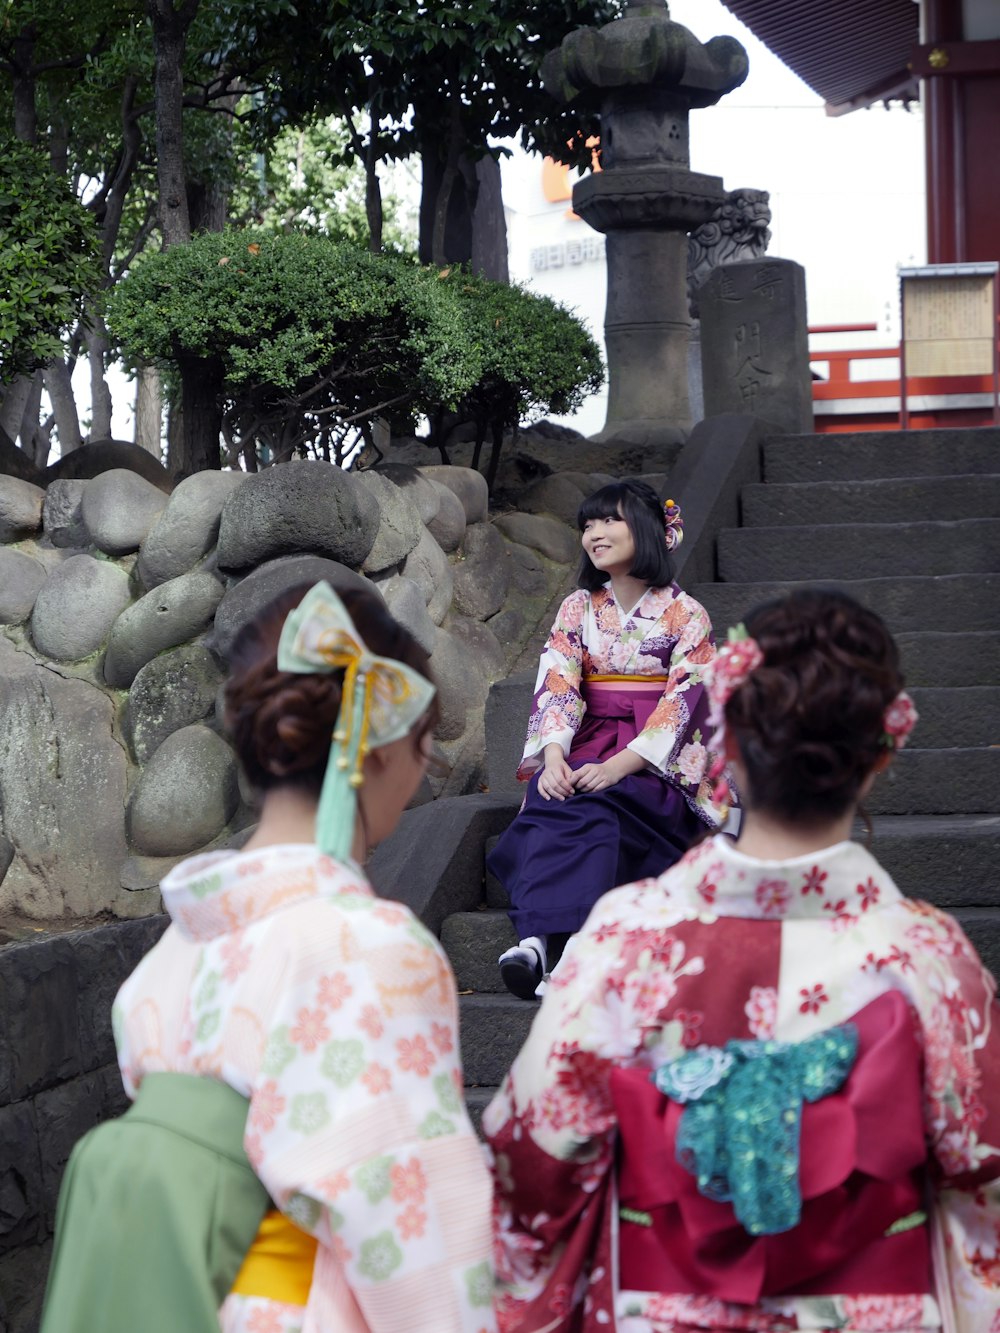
(629, 682)
(279, 1264)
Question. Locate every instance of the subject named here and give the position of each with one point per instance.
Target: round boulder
(527, 573)
(400, 524)
(77, 606)
(447, 527)
(406, 602)
(119, 508)
(20, 508)
(429, 569)
(170, 692)
(551, 538)
(185, 796)
(188, 526)
(554, 495)
(481, 644)
(171, 614)
(483, 577)
(465, 482)
(62, 514)
(244, 599)
(292, 507)
(412, 481)
(462, 684)
(20, 581)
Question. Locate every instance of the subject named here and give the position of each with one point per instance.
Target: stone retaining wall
(118, 603)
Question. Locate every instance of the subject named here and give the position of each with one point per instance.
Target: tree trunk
(489, 223)
(34, 441)
(170, 27)
(175, 438)
(373, 190)
(201, 393)
(100, 394)
(449, 176)
(25, 115)
(15, 400)
(59, 387)
(494, 463)
(148, 410)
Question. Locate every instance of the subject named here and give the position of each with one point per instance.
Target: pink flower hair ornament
(673, 524)
(898, 721)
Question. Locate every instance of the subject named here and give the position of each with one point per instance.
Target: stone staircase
(909, 524)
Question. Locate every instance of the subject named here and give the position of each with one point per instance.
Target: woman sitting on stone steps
(616, 756)
(297, 1157)
(763, 1090)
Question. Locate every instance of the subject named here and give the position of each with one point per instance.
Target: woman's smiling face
(609, 544)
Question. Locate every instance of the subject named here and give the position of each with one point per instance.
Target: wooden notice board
(949, 324)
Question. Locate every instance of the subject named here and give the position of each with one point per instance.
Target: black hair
(638, 504)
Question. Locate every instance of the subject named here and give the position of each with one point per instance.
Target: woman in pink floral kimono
(297, 1158)
(615, 759)
(763, 1090)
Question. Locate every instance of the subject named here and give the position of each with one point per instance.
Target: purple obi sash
(618, 707)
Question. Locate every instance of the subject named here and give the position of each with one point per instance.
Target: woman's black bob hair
(641, 508)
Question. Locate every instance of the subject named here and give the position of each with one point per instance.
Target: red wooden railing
(843, 403)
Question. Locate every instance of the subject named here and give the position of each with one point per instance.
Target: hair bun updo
(809, 721)
(282, 722)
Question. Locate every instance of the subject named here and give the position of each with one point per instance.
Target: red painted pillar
(942, 99)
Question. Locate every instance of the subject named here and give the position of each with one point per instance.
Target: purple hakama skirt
(558, 857)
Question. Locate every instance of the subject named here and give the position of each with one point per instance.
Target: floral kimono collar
(838, 883)
(222, 892)
(650, 606)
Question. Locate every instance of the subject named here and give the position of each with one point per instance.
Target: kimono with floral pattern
(667, 633)
(726, 947)
(335, 1013)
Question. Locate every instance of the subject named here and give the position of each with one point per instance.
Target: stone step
(955, 718)
(473, 942)
(869, 455)
(899, 500)
(476, 1102)
(959, 603)
(493, 1029)
(947, 860)
(955, 659)
(496, 894)
(939, 782)
(982, 925)
(859, 550)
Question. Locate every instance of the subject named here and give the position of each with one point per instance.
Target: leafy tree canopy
(48, 260)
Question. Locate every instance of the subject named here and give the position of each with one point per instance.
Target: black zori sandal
(521, 969)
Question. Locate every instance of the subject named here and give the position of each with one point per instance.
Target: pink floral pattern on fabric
(336, 1015)
(667, 634)
(837, 933)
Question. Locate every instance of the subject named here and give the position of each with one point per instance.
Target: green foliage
(48, 260)
(312, 338)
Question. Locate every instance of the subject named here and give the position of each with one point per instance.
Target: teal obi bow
(739, 1133)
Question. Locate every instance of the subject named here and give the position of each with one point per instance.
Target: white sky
(847, 197)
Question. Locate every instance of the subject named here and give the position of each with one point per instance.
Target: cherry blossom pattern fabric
(335, 1014)
(725, 947)
(667, 634)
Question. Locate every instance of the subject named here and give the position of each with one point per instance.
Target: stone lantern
(645, 73)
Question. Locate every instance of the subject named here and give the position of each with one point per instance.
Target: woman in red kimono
(763, 1090)
(615, 758)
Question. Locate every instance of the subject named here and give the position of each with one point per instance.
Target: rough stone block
(62, 514)
(447, 527)
(949, 861)
(492, 1028)
(481, 645)
(77, 606)
(405, 600)
(895, 500)
(22, 1191)
(482, 578)
(244, 599)
(188, 527)
(170, 692)
(433, 862)
(62, 785)
(507, 708)
(982, 925)
(64, 1115)
(473, 942)
(119, 507)
(292, 507)
(871, 454)
(170, 615)
(428, 567)
(973, 659)
(462, 684)
(400, 525)
(412, 481)
(21, 579)
(20, 508)
(956, 717)
(22, 1281)
(938, 782)
(556, 495)
(755, 344)
(185, 795)
(547, 535)
(41, 1043)
(467, 484)
(527, 573)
